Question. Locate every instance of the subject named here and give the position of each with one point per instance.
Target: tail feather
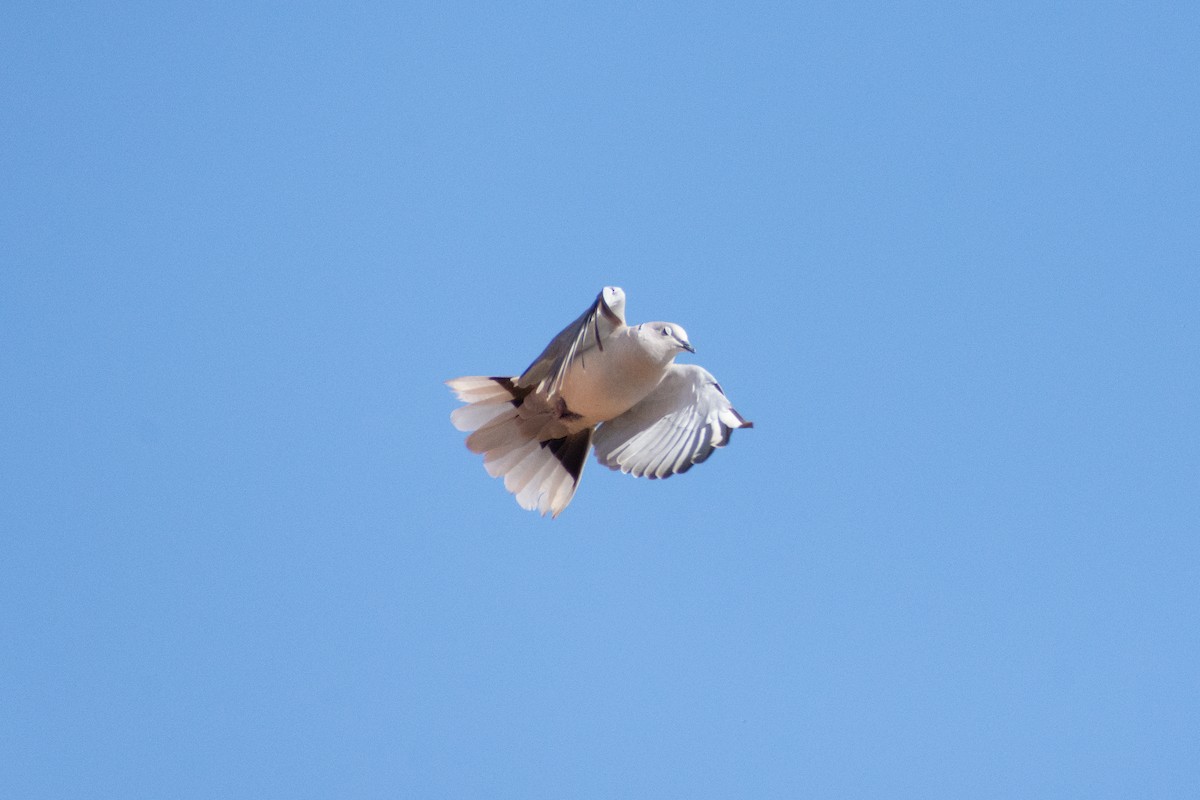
(560, 489)
(517, 478)
(532, 483)
(479, 415)
(542, 474)
(501, 433)
(502, 459)
(487, 399)
(476, 388)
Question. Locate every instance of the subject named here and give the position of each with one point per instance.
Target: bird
(599, 383)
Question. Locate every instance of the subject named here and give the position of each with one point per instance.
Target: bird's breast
(603, 384)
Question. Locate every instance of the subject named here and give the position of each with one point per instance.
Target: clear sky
(946, 257)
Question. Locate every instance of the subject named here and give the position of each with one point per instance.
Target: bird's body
(606, 383)
(598, 378)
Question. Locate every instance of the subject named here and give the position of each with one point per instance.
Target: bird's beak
(687, 346)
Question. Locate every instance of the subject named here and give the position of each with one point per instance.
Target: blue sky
(944, 255)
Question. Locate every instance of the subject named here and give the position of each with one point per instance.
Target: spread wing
(595, 325)
(675, 426)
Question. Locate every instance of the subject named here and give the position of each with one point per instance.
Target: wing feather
(606, 315)
(677, 425)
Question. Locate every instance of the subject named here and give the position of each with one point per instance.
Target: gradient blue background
(947, 258)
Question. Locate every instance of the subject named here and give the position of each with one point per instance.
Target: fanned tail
(542, 473)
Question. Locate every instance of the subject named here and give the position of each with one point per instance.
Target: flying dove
(599, 382)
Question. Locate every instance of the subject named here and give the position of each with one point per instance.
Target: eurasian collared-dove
(598, 382)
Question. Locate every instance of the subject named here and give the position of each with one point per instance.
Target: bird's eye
(666, 331)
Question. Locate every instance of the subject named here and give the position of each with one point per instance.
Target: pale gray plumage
(598, 322)
(675, 426)
(601, 381)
